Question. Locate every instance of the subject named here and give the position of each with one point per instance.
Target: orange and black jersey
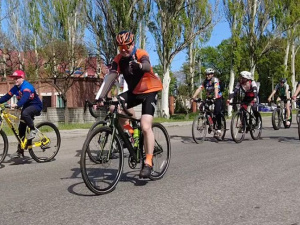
(139, 81)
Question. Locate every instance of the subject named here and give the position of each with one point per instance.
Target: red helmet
(18, 73)
(125, 38)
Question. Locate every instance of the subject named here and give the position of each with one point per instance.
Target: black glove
(135, 65)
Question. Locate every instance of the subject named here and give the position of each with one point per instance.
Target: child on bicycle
(143, 87)
(30, 103)
(248, 87)
(282, 89)
(212, 86)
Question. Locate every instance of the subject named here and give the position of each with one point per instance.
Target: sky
(220, 32)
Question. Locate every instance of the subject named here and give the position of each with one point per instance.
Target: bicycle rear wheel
(101, 177)
(162, 151)
(276, 119)
(238, 127)
(46, 144)
(256, 128)
(199, 128)
(3, 146)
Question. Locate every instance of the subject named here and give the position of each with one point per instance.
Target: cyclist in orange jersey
(143, 87)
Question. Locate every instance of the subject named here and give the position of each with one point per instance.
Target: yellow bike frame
(44, 140)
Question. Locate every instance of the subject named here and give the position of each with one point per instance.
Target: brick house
(86, 83)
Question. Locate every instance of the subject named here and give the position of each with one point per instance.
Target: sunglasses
(124, 47)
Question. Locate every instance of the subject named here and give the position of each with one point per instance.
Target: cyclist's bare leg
(288, 112)
(146, 125)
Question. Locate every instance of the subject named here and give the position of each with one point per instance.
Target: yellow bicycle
(43, 148)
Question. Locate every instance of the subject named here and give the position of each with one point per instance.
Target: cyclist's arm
(145, 63)
(272, 94)
(254, 88)
(216, 88)
(197, 91)
(25, 97)
(296, 92)
(8, 95)
(107, 84)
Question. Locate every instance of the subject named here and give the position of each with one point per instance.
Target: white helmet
(246, 74)
(209, 71)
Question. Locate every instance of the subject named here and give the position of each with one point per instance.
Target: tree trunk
(192, 67)
(165, 94)
(286, 56)
(230, 90)
(293, 78)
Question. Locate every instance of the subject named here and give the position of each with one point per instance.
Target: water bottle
(136, 136)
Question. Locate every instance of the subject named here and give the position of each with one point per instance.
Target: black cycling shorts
(148, 101)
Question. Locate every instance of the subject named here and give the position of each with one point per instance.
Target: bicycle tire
(99, 177)
(162, 151)
(199, 128)
(257, 129)
(223, 129)
(238, 126)
(46, 152)
(298, 116)
(276, 119)
(96, 124)
(3, 146)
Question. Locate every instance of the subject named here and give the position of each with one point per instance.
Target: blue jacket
(25, 94)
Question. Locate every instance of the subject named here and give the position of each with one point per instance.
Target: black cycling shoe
(146, 171)
(18, 154)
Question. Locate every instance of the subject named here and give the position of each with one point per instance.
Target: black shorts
(148, 101)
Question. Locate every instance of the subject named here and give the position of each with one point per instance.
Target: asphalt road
(255, 182)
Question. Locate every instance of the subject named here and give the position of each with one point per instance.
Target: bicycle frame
(117, 129)
(23, 144)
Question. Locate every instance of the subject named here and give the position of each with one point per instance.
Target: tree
(234, 10)
(167, 27)
(63, 31)
(197, 14)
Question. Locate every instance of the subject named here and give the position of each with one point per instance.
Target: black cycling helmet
(282, 80)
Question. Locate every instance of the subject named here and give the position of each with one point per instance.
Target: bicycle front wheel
(3, 146)
(45, 146)
(101, 177)
(162, 151)
(256, 128)
(276, 119)
(238, 127)
(199, 128)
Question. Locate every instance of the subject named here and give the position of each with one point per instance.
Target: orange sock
(149, 159)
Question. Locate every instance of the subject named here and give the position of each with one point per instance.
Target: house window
(59, 102)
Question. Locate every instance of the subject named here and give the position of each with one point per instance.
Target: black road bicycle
(243, 121)
(102, 157)
(279, 116)
(206, 122)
